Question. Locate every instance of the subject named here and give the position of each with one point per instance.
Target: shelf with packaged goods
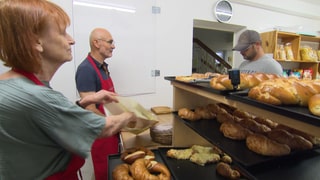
(314, 43)
(271, 42)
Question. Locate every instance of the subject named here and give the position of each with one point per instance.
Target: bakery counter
(191, 95)
(130, 140)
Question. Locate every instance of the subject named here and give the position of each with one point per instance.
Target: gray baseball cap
(247, 38)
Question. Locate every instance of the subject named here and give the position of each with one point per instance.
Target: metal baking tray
(209, 129)
(202, 84)
(185, 169)
(295, 112)
(115, 159)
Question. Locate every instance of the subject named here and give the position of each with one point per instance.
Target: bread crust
(314, 104)
(295, 142)
(262, 145)
(132, 154)
(234, 131)
(145, 169)
(247, 81)
(225, 170)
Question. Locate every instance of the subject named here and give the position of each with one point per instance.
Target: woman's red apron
(103, 147)
(76, 162)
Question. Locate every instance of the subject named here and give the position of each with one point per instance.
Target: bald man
(93, 75)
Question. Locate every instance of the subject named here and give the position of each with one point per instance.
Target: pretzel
(144, 169)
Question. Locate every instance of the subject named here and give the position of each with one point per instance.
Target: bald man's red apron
(103, 147)
(76, 161)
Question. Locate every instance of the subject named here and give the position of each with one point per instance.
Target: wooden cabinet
(275, 42)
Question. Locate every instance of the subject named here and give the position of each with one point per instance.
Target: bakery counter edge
(191, 95)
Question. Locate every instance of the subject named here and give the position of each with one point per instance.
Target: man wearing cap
(249, 45)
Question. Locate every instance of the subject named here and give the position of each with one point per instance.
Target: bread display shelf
(209, 129)
(304, 166)
(298, 113)
(295, 112)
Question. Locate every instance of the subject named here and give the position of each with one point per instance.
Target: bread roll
(188, 114)
(234, 131)
(314, 104)
(226, 171)
(260, 144)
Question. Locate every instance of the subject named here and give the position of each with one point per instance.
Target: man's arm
(91, 107)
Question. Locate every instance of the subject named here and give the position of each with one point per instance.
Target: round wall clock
(223, 10)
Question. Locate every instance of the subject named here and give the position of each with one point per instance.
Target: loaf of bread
(254, 126)
(271, 124)
(295, 142)
(201, 112)
(234, 131)
(263, 145)
(285, 91)
(313, 139)
(247, 81)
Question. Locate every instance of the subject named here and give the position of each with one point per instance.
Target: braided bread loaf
(247, 81)
(285, 91)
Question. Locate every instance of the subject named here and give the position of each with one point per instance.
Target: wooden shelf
(271, 40)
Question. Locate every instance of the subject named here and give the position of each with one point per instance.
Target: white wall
(174, 27)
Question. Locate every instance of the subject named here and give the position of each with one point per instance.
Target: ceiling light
(104, 6)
